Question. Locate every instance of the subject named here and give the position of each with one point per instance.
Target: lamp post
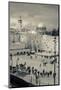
(17, 62)
(11, 61)
(54, 60)
(13, 41)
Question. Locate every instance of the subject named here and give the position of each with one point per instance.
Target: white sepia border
(4, 43)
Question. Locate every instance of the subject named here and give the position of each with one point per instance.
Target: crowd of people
(33, 71)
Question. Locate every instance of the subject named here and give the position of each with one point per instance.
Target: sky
(35, 14)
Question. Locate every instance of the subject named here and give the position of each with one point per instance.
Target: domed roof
(40, 25)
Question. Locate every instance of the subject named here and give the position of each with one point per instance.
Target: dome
(40, 25)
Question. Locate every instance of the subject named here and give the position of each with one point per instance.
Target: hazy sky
(36, 14)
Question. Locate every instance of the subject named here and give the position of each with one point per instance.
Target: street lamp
(54, 60)
(17, 62)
